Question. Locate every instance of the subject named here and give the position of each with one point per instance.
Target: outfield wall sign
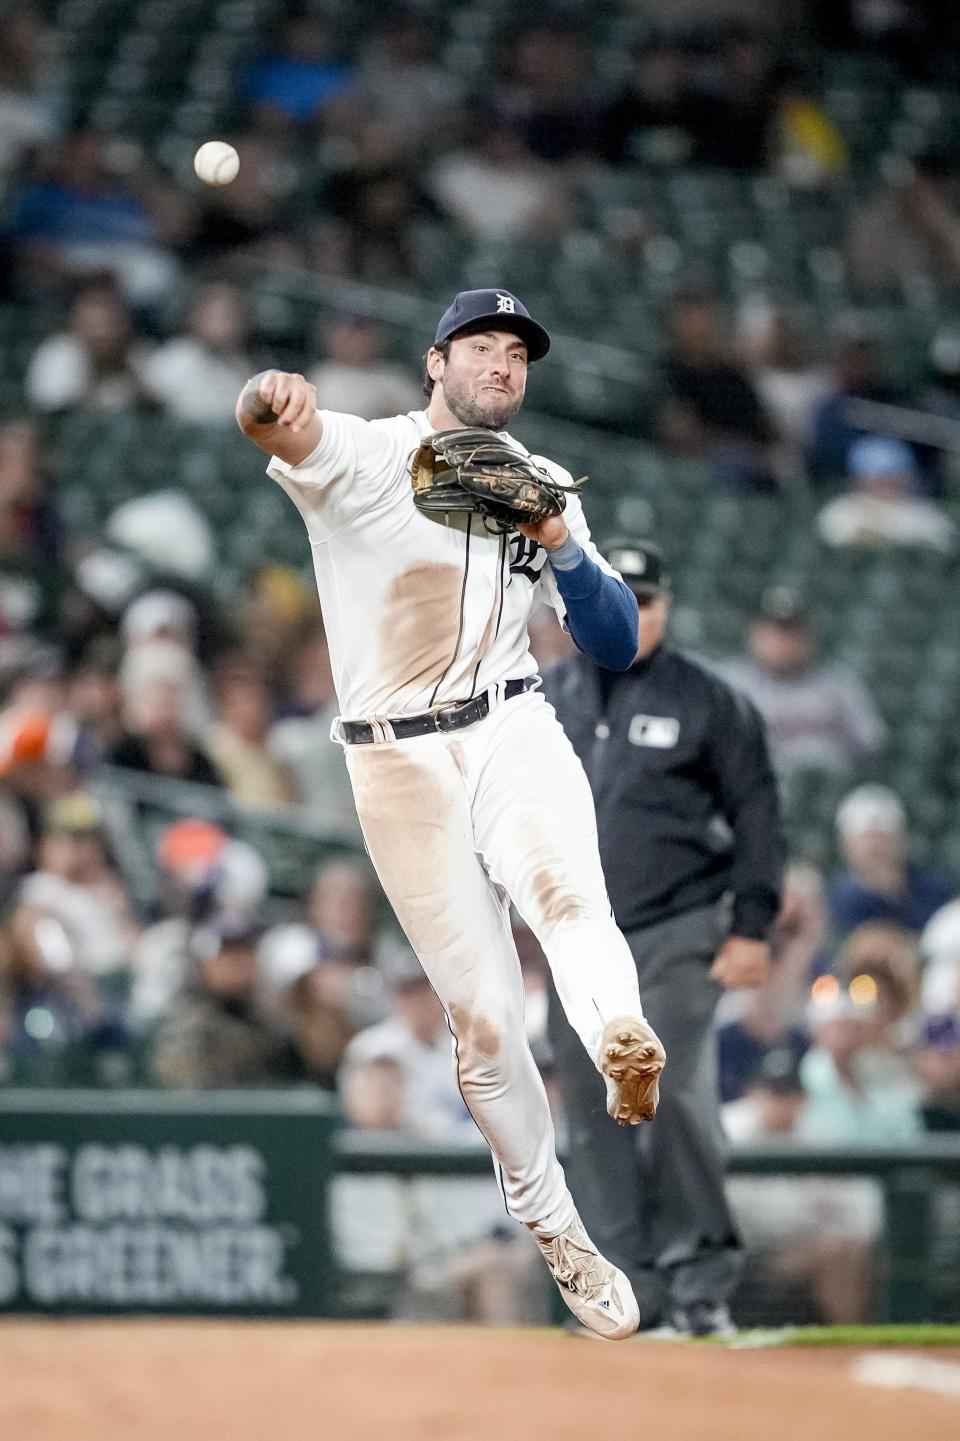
(179, 1204)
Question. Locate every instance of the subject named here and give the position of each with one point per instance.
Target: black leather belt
(447, 718)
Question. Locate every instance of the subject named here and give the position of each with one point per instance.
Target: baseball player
(468, 792)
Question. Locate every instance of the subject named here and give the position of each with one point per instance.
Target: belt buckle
(443, 713)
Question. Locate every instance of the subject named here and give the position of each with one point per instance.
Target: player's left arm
(601, 613)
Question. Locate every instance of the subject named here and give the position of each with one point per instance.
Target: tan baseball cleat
(598, 1294)
(631, 1059)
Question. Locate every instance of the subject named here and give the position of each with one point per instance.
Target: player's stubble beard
(492, 413)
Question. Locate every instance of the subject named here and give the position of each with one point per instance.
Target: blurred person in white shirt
(884, 507)
(196, 374)
(354, 377)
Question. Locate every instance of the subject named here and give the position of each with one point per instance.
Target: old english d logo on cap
(472, 308)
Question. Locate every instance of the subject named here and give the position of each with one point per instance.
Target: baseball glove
(474, 470)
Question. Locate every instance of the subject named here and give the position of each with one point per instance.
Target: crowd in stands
(118, 654)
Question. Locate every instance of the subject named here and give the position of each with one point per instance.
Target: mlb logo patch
(660, 732)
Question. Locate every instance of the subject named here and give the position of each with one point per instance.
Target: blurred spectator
(341, 929)
(321, 1028)
(157, 739)
(860, 1092)
(32, 575)
(406, 84)
(885, 506)
(709, 408)
(819, 716)
(881, 962)
(237, 743)
(373, 1095)
(788, 382)
(91, 210)
(735, 120)
(651, 121)
(918, 221)
(354, 378)
(497, 189)
(301, 741)
(275, 612)
(96, 362)
(37, 736)
(375, 202)
(29, 526)
(78, 885)
(881, 883)
(820, 1232)
(159, 633)
(54, 1009)
(548, 94)
(14, 846)
(416, 1037)
(290, 85)
(857, 385)
(938, 1060)
(95, 700)
(205, 877)
(940, 948)
(938, 1066)
(218, 1034)
(28, 107)
(198, 374)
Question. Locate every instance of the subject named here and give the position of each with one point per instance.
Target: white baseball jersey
(420, 611)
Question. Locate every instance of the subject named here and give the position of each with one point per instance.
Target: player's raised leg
(536, 826)
(413, 803)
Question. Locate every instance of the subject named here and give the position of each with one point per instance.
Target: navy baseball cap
(501, 311)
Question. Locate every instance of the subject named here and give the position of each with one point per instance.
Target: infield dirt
(249, 1381)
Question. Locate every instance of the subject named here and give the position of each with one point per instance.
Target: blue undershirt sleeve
(602, 614)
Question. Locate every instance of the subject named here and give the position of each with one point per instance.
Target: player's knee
(480, 1030)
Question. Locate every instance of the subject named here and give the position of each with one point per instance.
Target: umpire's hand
(740, 962)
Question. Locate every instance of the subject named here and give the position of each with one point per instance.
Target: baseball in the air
(216, 163)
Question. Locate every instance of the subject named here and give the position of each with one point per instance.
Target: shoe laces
(576, 1263)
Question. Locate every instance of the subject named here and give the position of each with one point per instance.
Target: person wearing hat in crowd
(466, 788)
(218, 1032)
(692, 849)
(819, 716)
(881, 882)
(78, 883)
(885, 505)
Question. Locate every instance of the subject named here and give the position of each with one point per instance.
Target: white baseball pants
(455, 825)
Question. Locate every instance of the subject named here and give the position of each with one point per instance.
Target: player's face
(484, 378)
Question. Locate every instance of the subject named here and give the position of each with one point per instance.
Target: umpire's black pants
(652, 1196)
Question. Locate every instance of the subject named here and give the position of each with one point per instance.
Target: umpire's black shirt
(686, 801)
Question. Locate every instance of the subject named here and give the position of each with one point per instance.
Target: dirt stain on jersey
(557, 902)
(420, 623)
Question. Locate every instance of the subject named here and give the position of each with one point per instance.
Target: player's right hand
(290, 396)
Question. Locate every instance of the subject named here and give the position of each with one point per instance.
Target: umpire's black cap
(641, 564)
(498, 309)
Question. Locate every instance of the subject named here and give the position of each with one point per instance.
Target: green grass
(921, 1335)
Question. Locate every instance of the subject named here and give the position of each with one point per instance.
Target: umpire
(692, 850)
